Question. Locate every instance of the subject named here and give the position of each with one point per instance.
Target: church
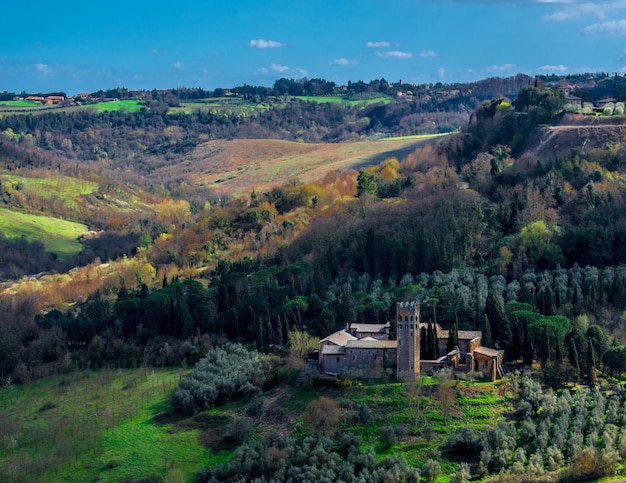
(367, 346)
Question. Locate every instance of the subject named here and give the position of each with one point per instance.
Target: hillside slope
(236, 167)
(576, 131)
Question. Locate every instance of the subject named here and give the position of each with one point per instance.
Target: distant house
(35, 99)
(55, 99)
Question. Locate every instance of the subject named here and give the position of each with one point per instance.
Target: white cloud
(178, 65)
(610, 27)
(395, 54)
(553, 69)
(343, 62)
(265, 44)
(376, 45)
(586, 9)
(428, 53)
(278, 67)
(441, 72)
(43, 69)
(501, 68)
(283, 70)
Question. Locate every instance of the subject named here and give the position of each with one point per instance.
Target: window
(337, 359)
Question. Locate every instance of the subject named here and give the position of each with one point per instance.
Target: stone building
(367, 346)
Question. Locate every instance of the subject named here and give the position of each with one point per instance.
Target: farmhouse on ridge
(367, 346)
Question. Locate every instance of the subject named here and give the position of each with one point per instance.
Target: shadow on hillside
(399, 153)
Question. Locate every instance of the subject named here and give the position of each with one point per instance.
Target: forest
(490, 228)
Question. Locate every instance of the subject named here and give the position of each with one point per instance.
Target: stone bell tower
(408, 352)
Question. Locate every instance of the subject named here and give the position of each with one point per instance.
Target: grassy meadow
(97, 425)
(19, 103)
(58, 236)
(66, 188)
(350, 101)
(112, 425)
(226, 105)
(121, 105)
(237, 166)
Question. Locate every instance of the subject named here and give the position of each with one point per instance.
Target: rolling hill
(236, 167)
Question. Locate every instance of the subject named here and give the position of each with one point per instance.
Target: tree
(366, 184)
(301, 344)
(296, 308)
(322, 414)
(615, 360)
(445, 393)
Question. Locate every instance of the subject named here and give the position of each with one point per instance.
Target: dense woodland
(481, 230)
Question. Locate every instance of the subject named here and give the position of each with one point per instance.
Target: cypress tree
(591, 364)
(486, 332)
(527, 354)
(424, 343)
(573, 358)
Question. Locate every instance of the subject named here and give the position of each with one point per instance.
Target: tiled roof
(370, 343)
(487, 351)
(469, 334)
(371, 328)
(339, 338)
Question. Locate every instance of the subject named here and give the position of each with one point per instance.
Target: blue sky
(76, 46)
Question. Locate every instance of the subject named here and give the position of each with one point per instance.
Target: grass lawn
(58, 236)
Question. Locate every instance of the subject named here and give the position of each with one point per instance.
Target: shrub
(364, 415)
(322, 414)
(255, 407)
(226, 372)
(431, 470)
(238, 431)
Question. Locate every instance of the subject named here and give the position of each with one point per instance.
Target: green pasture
(65, 188)
(19, 103)
(226, 105)
(118, 425)
(351, 101)
(58, 236)
(96, 426)
(128, 106)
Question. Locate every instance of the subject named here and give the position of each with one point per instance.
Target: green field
(122, 105)
(112, 425)
(100, 425)
(226, 105)
(58, 236)
(65, 188)
(352, 101)
(19, 103)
